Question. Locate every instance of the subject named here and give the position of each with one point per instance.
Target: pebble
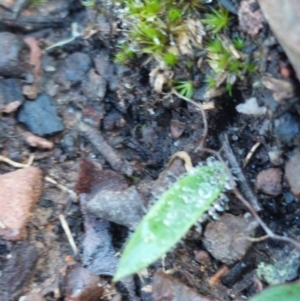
(286, 128)
(38, 142)
(74, 70)
(95, 87)
(226, 239)
(10, 92)
(121, 207)
(292, 173)
(251, 107)
(11, 47)
(82, 285)
(269, 181)
(15, 213)
(40, 116)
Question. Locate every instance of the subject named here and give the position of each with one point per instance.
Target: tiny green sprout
(188, 6)
(185, 88)
(211, 82)
(215, 46)
(238, 43)
(173, 15)
(217, 20)
(124, 54)
(251, 67)
(235, 66)
(88, 3)
(37, 2)
(228, 88)
(170, 59)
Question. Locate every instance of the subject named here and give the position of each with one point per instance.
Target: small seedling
(217, 20)
(211, 82)
(185, 88)
(171, 217)
(124, 54)
(170, 59)
(238, 43)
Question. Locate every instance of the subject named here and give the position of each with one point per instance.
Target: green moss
(185, 88)
(217, 20)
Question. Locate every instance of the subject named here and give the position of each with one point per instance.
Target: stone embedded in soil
(33, 296)
(20, 190)
(177, 128)
(40, 116)
(11, 51)
(292, 173)
(251, 19)
(283, 18)
(287, 128)
(166, 288)
(95, 86)
(74, 70)
(269, 181)
(82, 285)
(121, 207)
(251, 107)
(10, 91)
(226, 239)
(17, 271)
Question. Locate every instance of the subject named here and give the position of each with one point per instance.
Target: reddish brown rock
(20, 190)
(269, 181)
(82, 285)
(292, 173)
(283, 18)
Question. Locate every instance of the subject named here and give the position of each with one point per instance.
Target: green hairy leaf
(171, 217)
(287, 292)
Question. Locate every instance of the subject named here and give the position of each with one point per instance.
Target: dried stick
(237, 170)
(67, 230)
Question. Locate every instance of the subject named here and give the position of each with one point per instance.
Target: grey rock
(121, 207)
(40, 116)
(10, 91)
(226, 239)
(10, 55)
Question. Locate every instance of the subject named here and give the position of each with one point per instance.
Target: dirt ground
(96, 132)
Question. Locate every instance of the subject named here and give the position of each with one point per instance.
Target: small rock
(11, 62)
(269, 181)
(275, 156)
(95, 87)
(40, 116)
(69, 143)
(250, 20)
(202, 257)
(82, 285)
(74, 70)
(282, 89)
(251, 107)
(17, 270)
(121, 207)
(166, 288)
(226, 239)
(37, 142)
(281, 271)
(177, 128)
(292, 173)
(10, 92)
(287, 128)
(15, 213)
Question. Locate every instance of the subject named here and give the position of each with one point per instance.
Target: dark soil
(112, 132)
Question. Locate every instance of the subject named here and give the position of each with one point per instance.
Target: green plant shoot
(286, 292)
(171, 217)
(185, 88)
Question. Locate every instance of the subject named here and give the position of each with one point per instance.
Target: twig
(250, 154)
(204, 119)
(108, 152)
(16, 164)
(62, 187)
(240, 197)
(237, 170)
(67, 230)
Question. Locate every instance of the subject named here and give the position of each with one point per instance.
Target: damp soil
(110, 132)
